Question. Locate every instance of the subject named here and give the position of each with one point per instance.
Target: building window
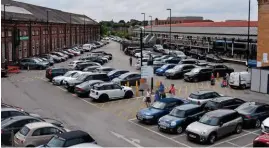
(37, 48)
(3, 34)
(33, 47)
(33, 32)
(10, 51)
(3, 57)
(44, 32)
(24, 33)
(37, 32)
(20, 50)
(44, 46)
(9, 33)
(25, 49)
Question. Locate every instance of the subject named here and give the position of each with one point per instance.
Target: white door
(117, 91)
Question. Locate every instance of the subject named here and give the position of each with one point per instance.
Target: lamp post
(5, 34)
(150, 24)
(249, 2)
(170, 27)
(144, 22)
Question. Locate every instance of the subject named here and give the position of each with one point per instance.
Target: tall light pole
(5, 34)
(249, 2)
(150, 24)
(170, 27)
(144, 23)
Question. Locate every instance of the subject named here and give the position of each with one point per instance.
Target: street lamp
(150, 24)
(170, 27)
(144, 22)
(249, 2)
(5, 34)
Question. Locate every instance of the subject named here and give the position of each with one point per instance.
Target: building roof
(213, 24)
(28, 12)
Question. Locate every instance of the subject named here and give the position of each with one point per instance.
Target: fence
(260, 80)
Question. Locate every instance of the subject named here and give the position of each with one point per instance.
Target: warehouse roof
(26, 12)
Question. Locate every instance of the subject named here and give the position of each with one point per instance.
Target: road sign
(22, 38)
(147, 72)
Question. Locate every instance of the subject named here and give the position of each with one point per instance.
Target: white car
(157, 47)
(202, 96)
(59, 79)
(108, 91)
(78, 74)
(265, 125)
(74, 63)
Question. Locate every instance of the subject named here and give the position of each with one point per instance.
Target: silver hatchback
(214, 125)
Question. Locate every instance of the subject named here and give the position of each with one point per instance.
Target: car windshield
(24, 131)
(164, 66)
(159, 46)
(38, 59)
(209, 120)
(178, 113)
(55, 142)
(76, 75)
(123, 76)
(158, 105)
(68, 74)
(195, 70)
(211, 105)
(246, 108)
(194, 96)
(112, 72)
(82, 77)
(178, 67)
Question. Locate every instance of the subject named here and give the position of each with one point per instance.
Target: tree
(121, 22)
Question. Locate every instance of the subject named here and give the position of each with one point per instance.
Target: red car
(261, 141)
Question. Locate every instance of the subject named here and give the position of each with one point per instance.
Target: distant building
(178, 20)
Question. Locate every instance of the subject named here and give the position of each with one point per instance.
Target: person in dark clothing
(131, 61)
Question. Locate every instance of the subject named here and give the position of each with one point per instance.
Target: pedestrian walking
(212, 79)
(172, 90)
(156, 96)
(131, 61)
(147, 98)
(161, 90)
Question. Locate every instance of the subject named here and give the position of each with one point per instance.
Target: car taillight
(50, 71)
(199, 103)
(247, 116)
(79, 89)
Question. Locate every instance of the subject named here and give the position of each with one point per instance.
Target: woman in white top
(148, 98)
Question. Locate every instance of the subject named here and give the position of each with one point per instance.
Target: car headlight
(173, 123)
(148, 117)
(203, 132)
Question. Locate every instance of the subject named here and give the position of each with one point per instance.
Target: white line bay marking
(132, 141)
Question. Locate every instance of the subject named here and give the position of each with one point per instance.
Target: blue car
(158, 109)
(162, 70)
(116, 73)
(180, 117)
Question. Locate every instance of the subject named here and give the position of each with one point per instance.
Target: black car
(90, 68)
(197, 54)
(70, 86)
(53, 72)
(83, 89)
(221, 69)
(69, 139)
(8, 112)
(172, 60)
(223, 103)
(33, 63)
(213, 58)
(198, 74)
(253, 113)
(11, 126)
(93, 59)
(178, 71)
(116, 73)
(81, 66)
(130, 77)
(104, 69)
(180, 117)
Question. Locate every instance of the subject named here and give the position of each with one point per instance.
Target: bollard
(217, 75)
(28, 68)
(128, 84)
(137, 89)
(157, 84)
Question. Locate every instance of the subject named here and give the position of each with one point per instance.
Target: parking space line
(248, 145)
(61, 88)
(154, 126)
(131, 121)
(232, 139)
(91, 104)
(252, 132)
(180, 135)
(233, 144)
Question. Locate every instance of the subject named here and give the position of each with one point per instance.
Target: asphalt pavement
(112, 123)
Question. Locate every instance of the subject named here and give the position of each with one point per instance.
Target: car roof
(188, 60)
(104, 83)
(187, 106)
(72, 134)
(170, 100)
(104, 67)
(201, 92)
(36, 125)
(221, 99)
(257, 104)
(10, 120)
(220, 112)
(54, 68)
(8, 109)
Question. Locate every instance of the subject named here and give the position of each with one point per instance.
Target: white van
(240, 79)
(87, 47)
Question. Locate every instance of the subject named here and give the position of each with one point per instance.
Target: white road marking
(232, 139)
(181, 135)
(91, 103)
(132, 119)
(248, 145)
(158, 134)
(251, 132)
(233, 144)
(61, 88)
(132, 142)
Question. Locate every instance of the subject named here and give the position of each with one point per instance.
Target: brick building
(41, 30)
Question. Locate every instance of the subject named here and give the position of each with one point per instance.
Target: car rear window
(194, 96)
(246, 108)
(24, 131)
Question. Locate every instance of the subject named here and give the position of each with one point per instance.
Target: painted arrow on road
(132, 141)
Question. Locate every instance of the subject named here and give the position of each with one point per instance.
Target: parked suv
(213, 125)
(202, 96)
(223, 103)
(198, 74)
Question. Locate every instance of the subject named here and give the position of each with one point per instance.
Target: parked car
(104, 69)
(81, 66)
(156, 66)
(73, 64)
(86, 145)
(62, 56)
(172, 60)
(70, 55)
(104, 54)
(261, 141)
(51, 58)
(157, 48)
(197, 54)
(240, 80)
(110, 91)
(158, 109)
(214, 125)
(53, 72)
(221, 69)
(7, 112)
(180, 117)
(68, 139)
(253, 113)
(3, 72)
(86, 76)
(202, 96)
(130, 77)
(75, 52)
(192, 61)
(90, 68)
(161, 71)
(33, 63)
(58, 80)
(57, 59)
(178, 54)
(116, 73)
(14, 124)
(35, 134)
(87, 47)
(198, 74)
(265, 126)
(213, 58)
(92, 59)
(223, 103)
(178, 71)
(48, 59)
(84, 89)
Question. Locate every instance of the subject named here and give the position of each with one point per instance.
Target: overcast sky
(217, 10)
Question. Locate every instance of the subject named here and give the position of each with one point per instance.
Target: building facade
(41, 33)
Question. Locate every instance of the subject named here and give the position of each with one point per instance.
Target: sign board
(147, 72)
(23, 38)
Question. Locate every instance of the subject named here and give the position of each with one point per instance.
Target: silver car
(202, 96)
(214, 125)
(59, 79)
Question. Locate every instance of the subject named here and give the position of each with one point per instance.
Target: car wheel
(238, 129)
(128, 95)
(243, 86)
(104, 98)
(257, 123)
(30, 146)
(179, 129)
(212, 138)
